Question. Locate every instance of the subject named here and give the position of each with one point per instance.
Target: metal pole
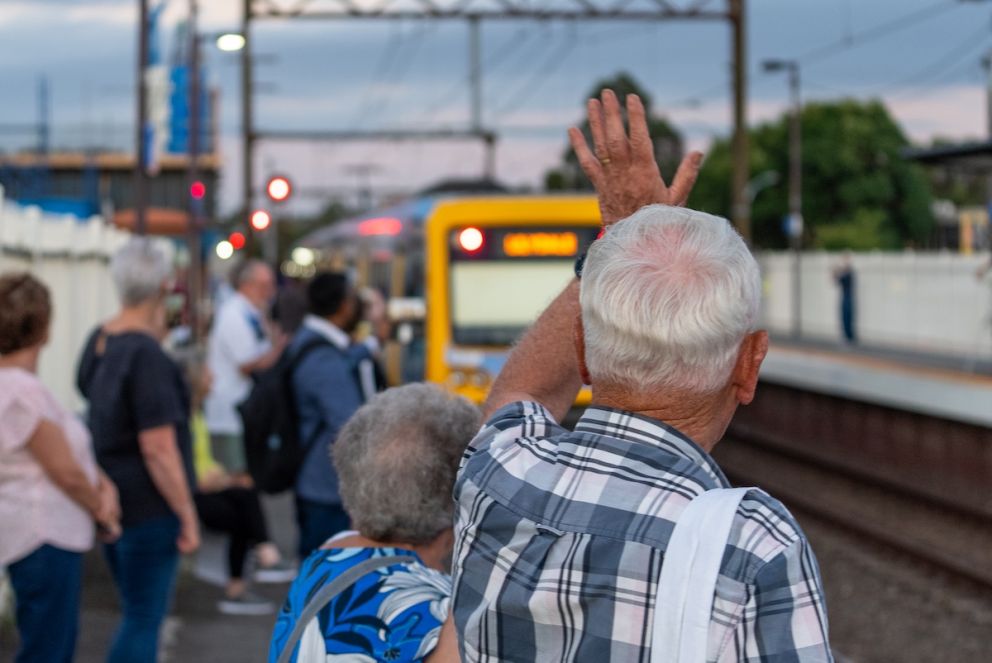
(741, 210)
(195, 206)
(987, 63)
(44, 115)
(475, 72)
(796, 197)
(247, 137)
(141, 146)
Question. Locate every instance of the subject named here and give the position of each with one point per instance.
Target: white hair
(668, 295)
(139, 269)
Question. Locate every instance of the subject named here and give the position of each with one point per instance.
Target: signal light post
(278, 189)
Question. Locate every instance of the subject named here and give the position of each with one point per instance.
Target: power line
(962, 50)
(525, 91)
(877, 31)
(492, 62)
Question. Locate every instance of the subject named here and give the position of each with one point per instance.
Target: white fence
(924, 301)
(71, 257)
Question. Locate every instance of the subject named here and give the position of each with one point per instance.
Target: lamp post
(795, 221)
(195, 220)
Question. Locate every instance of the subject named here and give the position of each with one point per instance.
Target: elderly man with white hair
(615, 541)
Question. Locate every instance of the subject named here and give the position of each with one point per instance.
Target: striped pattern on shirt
(560, 538)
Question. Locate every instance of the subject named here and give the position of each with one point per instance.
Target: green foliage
(859, 192)
(668, 147)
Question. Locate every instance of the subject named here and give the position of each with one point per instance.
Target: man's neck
(701, 418)
(251, 300)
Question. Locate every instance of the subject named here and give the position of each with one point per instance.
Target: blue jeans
(46, 586)
(144, 563)
(318, 522)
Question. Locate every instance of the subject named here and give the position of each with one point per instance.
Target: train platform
(195, 630)
(945, 386)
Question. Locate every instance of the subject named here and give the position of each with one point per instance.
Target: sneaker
(277, 573)
(246, 604)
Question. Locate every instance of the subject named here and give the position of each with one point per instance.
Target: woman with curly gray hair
(380, 593)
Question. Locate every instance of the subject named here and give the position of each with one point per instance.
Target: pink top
(33, 510)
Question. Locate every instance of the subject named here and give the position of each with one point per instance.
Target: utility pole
(44, 117)
(987, 64)
(475, 83)
(141, 136)
(475, 72)
(794, 225)
(196, 201)
(741, 209)
(247, 130)
(796, 198)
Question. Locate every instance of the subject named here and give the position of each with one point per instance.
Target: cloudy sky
(383, 75)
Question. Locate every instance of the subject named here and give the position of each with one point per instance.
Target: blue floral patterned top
(392, 614)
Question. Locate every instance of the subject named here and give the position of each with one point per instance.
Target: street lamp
(230, 41)
(794, 225)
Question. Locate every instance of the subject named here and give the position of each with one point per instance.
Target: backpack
(273, 449)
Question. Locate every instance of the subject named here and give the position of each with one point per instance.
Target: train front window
(501, 279)
(493, 302)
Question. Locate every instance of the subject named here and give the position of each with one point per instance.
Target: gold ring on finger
(605, 161)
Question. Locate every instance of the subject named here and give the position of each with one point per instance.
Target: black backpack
(273, 449)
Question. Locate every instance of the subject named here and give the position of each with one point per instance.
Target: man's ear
(752, 353)
(579, 336)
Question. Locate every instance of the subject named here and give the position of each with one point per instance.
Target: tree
(859, 191)
(667, 141)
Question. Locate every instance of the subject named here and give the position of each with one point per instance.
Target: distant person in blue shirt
(846, 279)
(330, 383)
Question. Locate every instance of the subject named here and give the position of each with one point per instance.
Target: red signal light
(237, 240)
(198, 190)
(471, 240)
(260, 220)
(278, 188)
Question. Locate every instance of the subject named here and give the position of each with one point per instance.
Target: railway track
(956, 541)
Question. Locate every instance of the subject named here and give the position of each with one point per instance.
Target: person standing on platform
(139, 409)
(846, 280)
(240, 343)
(51, 490)
(330, 383)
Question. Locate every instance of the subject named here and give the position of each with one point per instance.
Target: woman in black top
(139, 418)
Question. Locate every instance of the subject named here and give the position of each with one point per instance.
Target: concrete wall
(71, 257)
(922, 301)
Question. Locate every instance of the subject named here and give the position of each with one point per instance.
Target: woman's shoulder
(24, 386)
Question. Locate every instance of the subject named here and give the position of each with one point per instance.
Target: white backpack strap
(688, 577)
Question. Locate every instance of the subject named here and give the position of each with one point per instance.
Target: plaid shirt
(561, 537)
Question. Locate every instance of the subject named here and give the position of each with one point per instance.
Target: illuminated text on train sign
(529, 245)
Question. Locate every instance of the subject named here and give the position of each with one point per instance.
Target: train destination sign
(540, 244)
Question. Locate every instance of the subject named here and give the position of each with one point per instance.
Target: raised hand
(622, 167)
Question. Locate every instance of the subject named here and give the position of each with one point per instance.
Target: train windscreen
(502, 279)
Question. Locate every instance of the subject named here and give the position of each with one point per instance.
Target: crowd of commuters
(620, 539)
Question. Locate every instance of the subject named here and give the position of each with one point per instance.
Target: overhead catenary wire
(550, 65)
(853, 40)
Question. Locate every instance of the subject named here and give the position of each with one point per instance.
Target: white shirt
(328, 330)
(33, 510)
(238, 337)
